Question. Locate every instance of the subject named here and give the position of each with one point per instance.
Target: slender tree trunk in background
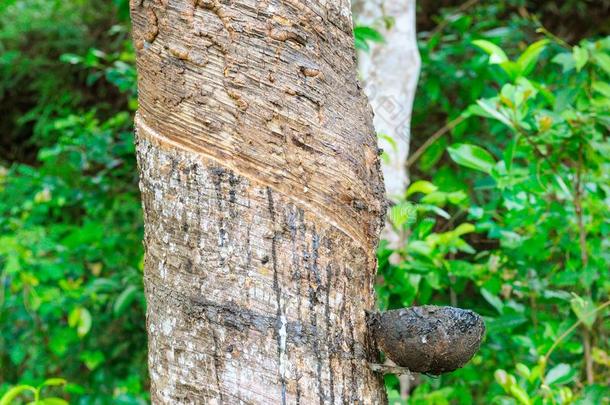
(390, 72)
(263, 201)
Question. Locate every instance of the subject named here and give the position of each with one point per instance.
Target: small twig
(537, 151)
(554, 37)
(389, 369)
(569, 331)
(435, 136)
(584, 257)
(463, 7)
(534, 309)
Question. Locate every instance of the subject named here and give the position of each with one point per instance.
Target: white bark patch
(283, 334)
(390, 72)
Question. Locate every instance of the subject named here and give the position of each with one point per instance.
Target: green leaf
(70, 58)
(53, 381)
(391, 141)
(602, 60)
(463, 229)
(496, 54)
(520, 395)
(512, 69)
(104, 285)
(368, 33)
(54, 401)
(457, 197)
(363, 34)
(460, 268)
(361, 44)
(493, 300)
(80, 318)
(10, 395)
(602, 88)
(503, 379)
(581, 57)
(490, 109)
(437, 198)
(125, 299)
(523, 370)
(584, 310)
(560, 374)
(421, 186)
(92, 359)
(472, 156)
(527, 60)
(84, 325)
(509, 153)
(565, 60)
(72, 388)
(438, 211)
(402, 213)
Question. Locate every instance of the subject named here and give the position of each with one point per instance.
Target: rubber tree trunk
(263, 201)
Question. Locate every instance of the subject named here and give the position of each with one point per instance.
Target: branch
(389, 369)
(465, 6)
(435, 136)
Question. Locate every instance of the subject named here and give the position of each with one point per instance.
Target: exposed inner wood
(145, 131)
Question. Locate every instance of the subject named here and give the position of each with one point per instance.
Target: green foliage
(495, 221)
(363, 35)
(71, 301)
(513, 221)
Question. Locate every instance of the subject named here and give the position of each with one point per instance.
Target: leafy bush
(71, 302)
(524, 242)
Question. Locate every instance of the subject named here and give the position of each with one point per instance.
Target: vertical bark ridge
(281, 317)
(263, 199)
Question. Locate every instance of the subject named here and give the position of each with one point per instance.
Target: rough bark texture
(263, 200)
(390, 72)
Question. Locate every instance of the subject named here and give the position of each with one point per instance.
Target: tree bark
(263, 200)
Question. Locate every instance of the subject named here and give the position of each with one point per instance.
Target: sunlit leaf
(527, 60)
(402, 213)
(421, 186)
(566, 60)
(560, 374)
(520, 395)
(472, 156)
(581, 57)
(54, 381)
(11, 394)
(584, 310)
(53, 401)
(496, 54)
(602, 60)
(80, 318)
(490, 109)
(602, 88)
